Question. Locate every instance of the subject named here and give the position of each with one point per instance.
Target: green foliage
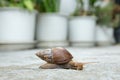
(80, 11)
(104, 14)
(92, 2)
(48, 5)
(27, 4)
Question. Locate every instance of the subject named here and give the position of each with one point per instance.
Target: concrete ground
(23, 65)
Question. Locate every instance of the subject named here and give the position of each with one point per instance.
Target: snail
(58, 57)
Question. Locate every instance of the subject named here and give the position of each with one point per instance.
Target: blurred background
(88, 29)
(29, 24)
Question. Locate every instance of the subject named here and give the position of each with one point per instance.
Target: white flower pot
(69, 9)
(51, 30)
(104, 35)
(82, 31)
(17, 27)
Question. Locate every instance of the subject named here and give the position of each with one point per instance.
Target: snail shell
(56, 55)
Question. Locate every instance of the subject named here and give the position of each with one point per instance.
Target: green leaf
(46, 6)
(92, 2)
(28, 4)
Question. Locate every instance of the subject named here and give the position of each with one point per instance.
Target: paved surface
(23, 65)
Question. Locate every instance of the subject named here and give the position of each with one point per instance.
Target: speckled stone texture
(24, 65)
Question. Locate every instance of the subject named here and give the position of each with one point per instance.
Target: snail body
(58, 57)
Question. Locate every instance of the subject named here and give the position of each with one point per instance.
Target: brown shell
(45, 55)
(61, 55)
(56, 55)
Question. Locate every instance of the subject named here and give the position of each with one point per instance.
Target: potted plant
(104, 29)
(51, 26)
(17, 24)
(82, 24)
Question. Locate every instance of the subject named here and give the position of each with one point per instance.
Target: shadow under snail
(58, 57)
